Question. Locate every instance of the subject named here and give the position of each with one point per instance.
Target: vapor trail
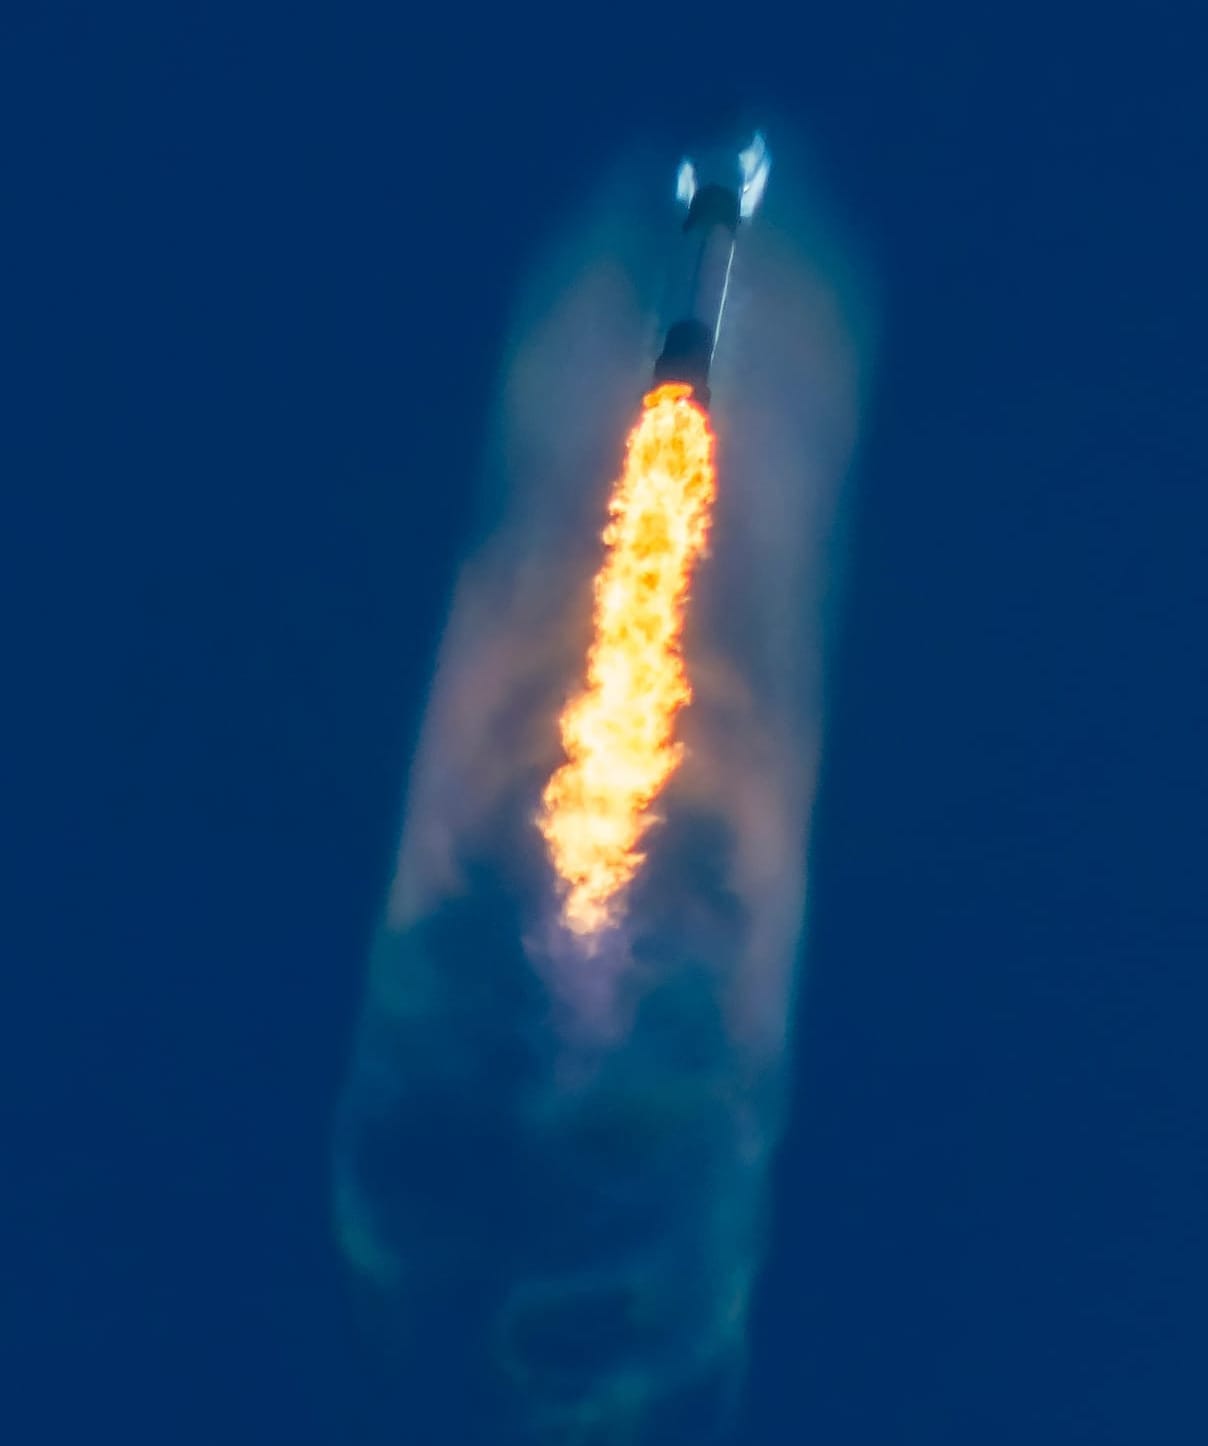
(551, 1179)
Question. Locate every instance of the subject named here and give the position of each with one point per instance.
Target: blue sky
(261, 273)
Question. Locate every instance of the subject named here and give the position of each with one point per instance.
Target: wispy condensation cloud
(551, 1163)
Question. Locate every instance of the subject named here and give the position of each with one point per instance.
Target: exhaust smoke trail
(552, 1150)
(618, 732)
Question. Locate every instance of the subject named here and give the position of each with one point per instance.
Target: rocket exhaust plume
(568, 1082)
(618, 732)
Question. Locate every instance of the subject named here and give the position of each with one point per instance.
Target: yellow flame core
(618, 731)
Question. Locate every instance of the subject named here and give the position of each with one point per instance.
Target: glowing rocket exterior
(726, 193)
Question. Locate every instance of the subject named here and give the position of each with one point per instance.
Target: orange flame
(618, 731)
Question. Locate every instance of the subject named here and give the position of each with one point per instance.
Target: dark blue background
(261, 266)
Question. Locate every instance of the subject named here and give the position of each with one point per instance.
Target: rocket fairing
(723, 193)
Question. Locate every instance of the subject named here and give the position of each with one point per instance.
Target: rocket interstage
(552, 1151)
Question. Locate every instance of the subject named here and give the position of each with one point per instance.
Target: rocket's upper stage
(723, 193)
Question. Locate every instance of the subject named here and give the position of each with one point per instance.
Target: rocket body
(731, 188)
